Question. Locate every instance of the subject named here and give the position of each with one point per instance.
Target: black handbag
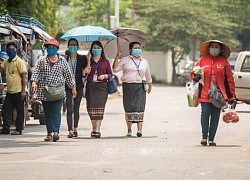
(53, 92)
(112, 86)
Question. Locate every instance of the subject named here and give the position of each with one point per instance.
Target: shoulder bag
(53, 92)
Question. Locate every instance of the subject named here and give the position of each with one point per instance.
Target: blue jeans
(52, 114)
(210, 116)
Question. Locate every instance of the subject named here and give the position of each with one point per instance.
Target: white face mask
(214, 51)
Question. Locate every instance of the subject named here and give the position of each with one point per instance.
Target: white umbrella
(124, 37)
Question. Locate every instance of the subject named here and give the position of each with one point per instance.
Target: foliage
(43, 10)
(93, 12)
(175, 24)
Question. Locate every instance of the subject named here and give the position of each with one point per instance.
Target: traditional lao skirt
(96, 97)
(134, 100)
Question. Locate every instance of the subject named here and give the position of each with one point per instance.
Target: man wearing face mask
(16, 71)
(77, 64)
(217, 71)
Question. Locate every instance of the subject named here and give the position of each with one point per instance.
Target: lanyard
(96, 67)
(137, 65)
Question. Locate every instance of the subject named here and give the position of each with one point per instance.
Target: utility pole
(117, 12)
(108, 15)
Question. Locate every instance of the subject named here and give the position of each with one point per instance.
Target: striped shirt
(58, 74)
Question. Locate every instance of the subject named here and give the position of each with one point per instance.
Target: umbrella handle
(88, 62)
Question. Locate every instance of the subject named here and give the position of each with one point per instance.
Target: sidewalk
(169, 148)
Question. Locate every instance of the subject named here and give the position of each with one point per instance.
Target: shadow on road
(118, 137)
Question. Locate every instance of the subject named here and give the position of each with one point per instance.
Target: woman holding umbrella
(136, 75)
(96, 87)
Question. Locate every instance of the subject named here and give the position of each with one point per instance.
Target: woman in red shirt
(216, 69)
(96, 87)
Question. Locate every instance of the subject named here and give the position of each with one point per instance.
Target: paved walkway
(169, 148)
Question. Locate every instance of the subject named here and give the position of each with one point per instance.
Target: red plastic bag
(230, 115)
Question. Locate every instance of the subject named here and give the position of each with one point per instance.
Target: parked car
(242, 77)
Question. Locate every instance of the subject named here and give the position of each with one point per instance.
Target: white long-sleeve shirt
(130, 72)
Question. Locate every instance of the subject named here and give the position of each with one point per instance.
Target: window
(246, 65)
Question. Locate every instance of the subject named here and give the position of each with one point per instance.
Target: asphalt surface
(169, 148)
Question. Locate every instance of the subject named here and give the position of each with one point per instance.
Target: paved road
(169, 148)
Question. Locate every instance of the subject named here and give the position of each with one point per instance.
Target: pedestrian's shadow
(220, 146)
(228, 145)
(118, 137)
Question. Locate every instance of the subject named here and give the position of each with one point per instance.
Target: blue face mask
(51, 51)
(73, 49)
(136, 52)
(214, 51)
(96, 52)
(11, 53)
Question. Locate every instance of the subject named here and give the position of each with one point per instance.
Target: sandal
(48, 138)
(97, 135)
(204, 142)
(212, 143)
(129, 134)
(92, 134)
(139, 134)
(75, 134)
(16, 132)
(55, 137)
(70, 135)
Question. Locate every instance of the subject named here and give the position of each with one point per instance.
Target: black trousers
(13, 101)
(73, 106)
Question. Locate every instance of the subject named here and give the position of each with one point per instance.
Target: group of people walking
(96, 69)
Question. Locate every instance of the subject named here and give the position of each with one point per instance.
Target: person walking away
(52, 70)
(30, 65)
(217, 70)
(16, 73)
(136, 75)
(77, 64)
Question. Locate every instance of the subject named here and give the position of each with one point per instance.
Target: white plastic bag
(192, 89)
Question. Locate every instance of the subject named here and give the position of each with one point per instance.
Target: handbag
(112, 86)
(216, 97)
(53, 92)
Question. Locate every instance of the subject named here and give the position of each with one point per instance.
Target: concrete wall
(160, 65)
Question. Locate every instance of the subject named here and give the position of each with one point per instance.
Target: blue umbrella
(89, 34)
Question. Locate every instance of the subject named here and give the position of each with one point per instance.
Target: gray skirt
(134, 101)
(96, 97)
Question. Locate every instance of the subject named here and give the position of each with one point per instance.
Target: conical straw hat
(204, 48)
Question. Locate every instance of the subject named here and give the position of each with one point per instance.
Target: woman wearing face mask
(50, 70)
(96, 87)
(217, 70)
(135, 71)
(77, 64)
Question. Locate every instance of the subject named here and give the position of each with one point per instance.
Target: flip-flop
(212, 143)
(204, 142)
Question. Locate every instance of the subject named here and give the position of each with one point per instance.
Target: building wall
(160, 65)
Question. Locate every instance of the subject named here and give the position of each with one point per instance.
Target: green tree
(175, 24)
(43, 10)
(93, 12)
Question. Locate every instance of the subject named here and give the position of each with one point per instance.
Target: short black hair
(131, 45)
(73, 39)
(11, 44)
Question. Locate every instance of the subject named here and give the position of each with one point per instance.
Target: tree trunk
(174, 78)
